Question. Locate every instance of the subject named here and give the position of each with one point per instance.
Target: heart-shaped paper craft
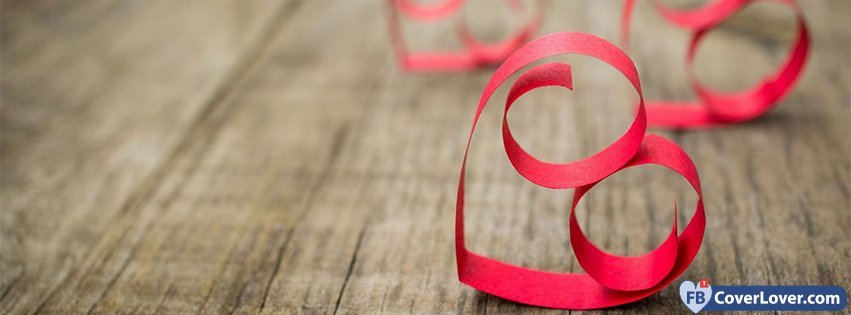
(715, 108)
(609, 279)
(474, 53)
(693, 297)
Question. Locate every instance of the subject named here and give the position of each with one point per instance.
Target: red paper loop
(715, 108)
(706, 16)
(617, 272)
(574, 174)
(610, 279)
(475, 53)
(428, 12)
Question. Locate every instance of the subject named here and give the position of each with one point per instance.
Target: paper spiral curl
(714, 108)
(474, 54)
(609, 280)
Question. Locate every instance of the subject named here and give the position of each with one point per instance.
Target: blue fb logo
(695, 297)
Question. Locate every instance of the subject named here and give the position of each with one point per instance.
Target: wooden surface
(215, 156)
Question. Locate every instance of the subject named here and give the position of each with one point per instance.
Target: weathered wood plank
(96, 95)
(269, 169)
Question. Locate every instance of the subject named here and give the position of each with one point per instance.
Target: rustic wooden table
(221, 156)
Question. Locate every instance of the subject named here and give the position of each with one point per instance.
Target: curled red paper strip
(609, 279)
(425, 12)
(715, 108)
(475, 53)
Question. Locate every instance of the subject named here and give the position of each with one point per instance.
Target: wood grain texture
(269, 157)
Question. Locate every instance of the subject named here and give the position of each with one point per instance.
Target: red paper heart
(610, 279)
(475, 53)
(714, 108)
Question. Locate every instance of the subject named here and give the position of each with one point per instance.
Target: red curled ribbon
(475, 53)
(715, 108)
(609, 279)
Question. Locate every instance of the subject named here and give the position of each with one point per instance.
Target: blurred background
(226, 156)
